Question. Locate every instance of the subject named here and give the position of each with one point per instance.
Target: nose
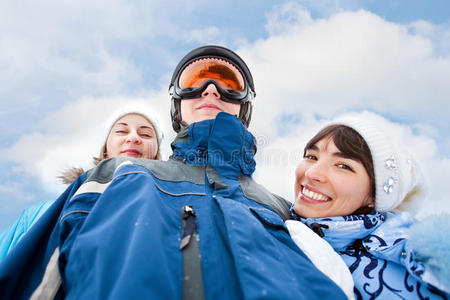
(211, 90)
(133, 138)
(316, 172)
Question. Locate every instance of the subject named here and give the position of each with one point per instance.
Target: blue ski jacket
(196, 226)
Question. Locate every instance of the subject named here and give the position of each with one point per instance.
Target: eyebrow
(336, 154)
(343, 155)
(144, 126)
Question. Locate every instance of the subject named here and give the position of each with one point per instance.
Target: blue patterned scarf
(342, 232)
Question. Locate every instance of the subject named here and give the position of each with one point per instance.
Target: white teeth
(313, 195)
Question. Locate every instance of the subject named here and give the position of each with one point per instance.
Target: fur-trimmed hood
(430, 239)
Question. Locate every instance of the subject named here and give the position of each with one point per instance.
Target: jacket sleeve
(429, 241)
(11, 236)
(422, 247)
(322, 255)
(23, 269)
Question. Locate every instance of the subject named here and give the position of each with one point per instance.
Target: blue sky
(65, 66)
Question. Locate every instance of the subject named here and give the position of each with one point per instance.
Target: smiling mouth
(309, 195)
(132, 152)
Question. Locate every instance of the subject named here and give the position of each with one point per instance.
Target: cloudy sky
(66, 65)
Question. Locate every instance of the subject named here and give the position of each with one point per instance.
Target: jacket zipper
(188, 219)
(189, 245)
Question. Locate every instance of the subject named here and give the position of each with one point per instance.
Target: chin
(207, 117)
(306, 212)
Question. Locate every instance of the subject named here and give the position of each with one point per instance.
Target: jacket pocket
(268, 218)
(178, 189)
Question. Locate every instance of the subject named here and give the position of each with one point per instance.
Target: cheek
(354, 191)
(299, 174)
(232, 108)
(342, 186)
(365, 189)
(300, 171)
(188, 105)
(183, 106)
(187, 110)
(152, 148)
(109, 143)
(112, 144)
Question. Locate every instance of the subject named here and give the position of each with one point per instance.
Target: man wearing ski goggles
(213, 79)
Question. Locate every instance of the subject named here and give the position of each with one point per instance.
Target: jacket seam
(73, 212)
(160, 188)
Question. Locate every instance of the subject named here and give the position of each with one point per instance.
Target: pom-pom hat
(398, 181)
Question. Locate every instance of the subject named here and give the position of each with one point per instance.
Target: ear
(104, 154)
(369, 202)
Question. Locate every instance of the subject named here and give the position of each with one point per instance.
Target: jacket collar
(223, 142)
(342, 232)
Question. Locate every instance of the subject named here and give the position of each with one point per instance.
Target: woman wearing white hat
(353, 189)
(130, 131)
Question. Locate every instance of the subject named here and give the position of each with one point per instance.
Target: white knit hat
(134, 108)
(398, 181)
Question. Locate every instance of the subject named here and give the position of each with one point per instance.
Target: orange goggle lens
(224, 73)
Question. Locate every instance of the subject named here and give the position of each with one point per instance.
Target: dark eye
(120, 131)
(310, 157)
(146, 135)
(344, 167)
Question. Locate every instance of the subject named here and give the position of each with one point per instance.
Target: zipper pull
(188, 225)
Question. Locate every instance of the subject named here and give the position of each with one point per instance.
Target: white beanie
(398, 180)
(134, 108)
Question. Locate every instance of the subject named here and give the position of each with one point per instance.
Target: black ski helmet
(245, 113)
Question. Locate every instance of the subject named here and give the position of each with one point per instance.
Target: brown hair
(68, 176)
(351, 143)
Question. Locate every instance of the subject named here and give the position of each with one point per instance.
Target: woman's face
(328, 183)
(132, 135)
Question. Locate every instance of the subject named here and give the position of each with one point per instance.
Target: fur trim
(430, 239)
(69, 175)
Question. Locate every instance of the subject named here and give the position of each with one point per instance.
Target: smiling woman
(132, 135)
(354, 188)
(130, 131)
(335, 180)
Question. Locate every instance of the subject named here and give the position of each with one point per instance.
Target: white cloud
(438, 33)
(278, 158)
(205, 35)
(16, 189)
(284, 18)
(60, 37)
(71, 136)
(350, 60)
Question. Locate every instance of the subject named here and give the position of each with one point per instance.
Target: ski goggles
(199, 73)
